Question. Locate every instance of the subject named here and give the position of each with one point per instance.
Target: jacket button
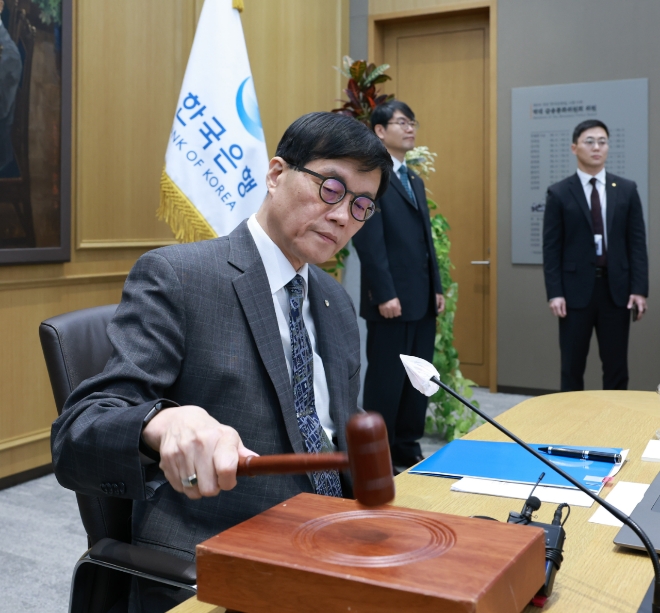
(122, 488)
(103, 488)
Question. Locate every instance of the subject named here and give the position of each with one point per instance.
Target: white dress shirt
(397, 164)
(600, 186)
(279, 272)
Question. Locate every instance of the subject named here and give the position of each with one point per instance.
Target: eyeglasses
(592, 142)
(332, 191)
(406, 123)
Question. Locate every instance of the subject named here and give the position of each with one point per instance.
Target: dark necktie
(403, 175)
(597, 221)
(327, 482)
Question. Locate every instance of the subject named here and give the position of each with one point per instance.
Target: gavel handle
(291, 464)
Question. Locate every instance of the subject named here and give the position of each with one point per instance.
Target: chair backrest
(76, 347)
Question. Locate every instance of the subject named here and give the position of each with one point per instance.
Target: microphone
(426, 379)
(531, 504)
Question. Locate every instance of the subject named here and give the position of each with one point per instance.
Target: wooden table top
(596, 575)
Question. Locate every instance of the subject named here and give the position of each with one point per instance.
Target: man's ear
(379, 131)
(276, 168)
(573, 148)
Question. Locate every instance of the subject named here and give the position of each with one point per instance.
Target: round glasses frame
(359, 205)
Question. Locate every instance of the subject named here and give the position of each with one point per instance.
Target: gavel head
(369, 459)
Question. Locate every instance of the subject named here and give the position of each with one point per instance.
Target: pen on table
(583, 454)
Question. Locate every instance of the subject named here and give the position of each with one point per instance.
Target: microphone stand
(655, 607)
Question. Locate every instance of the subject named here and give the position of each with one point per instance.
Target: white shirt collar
(397, 164)
(278, 269)
(585, 178)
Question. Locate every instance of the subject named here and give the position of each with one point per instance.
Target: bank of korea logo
(248, 109)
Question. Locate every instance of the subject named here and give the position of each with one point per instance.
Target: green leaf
(357, 69)
(376, 73)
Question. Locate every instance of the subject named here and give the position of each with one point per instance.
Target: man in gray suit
(208, 343)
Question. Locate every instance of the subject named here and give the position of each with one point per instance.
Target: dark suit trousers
(387, 389)
(612, 325)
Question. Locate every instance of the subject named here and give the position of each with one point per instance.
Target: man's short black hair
(383, 113)
(587, 125)
(329, 136)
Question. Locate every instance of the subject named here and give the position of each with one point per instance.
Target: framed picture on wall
(35, 131)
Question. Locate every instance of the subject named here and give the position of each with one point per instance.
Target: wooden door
(440, 67)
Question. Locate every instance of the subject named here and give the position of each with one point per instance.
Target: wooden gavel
(368, 459)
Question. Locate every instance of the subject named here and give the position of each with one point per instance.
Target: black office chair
(76, 347)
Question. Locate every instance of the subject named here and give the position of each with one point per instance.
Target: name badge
(598, 241)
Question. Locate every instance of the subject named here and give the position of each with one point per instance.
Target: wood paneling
(27, 397)
(128, 76)
(128, 63)
(293, 46)
(131, 58)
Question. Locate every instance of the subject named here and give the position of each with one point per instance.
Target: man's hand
(390, 309)
(191, 442)
(558, 307)
(640, 301)
(440, 301)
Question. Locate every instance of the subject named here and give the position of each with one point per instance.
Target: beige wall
(127, 75)
(293, 46)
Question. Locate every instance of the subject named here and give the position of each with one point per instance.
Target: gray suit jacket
(196, 325)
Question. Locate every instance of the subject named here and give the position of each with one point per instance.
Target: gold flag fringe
(237, 4)
(187, 223)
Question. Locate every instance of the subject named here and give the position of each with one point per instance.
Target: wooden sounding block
(328, 555)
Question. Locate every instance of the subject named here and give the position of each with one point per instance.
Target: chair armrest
(144, 560)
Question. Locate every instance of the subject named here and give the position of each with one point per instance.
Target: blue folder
(511, 462)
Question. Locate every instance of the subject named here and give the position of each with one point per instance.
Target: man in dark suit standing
(401, 292)
(594, 260)
(230, 347)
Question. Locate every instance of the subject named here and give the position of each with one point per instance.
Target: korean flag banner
(216, 160)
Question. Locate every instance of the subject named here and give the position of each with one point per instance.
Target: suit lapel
(396, 182)
(418, 189)
(325, 324)
(611, 197)
(253, 292)
(578, 193)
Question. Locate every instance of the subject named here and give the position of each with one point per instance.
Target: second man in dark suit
(401, 292)
(594, 260)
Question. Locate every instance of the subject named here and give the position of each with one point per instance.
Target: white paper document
(506, 489)
(625, 496)
(652, 452)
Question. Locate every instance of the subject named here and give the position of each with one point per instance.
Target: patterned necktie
(403, 175)
(327, 482)
(597, 221)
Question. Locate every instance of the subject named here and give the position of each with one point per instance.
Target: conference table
(596, 575)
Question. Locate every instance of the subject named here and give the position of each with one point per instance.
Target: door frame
(375, 37)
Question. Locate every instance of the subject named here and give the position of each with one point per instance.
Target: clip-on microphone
(554, 540)
(426, 379)
(531, 504)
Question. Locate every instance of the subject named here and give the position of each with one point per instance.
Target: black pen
(584, 454)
